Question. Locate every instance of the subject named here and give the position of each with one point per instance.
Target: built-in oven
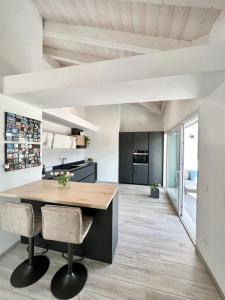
(140, 157)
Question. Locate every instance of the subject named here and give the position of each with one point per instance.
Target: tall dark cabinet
(155, 157)
(141, 173)
(125, 157)
(140, 141)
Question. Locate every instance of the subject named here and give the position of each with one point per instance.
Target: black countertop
(70, 167)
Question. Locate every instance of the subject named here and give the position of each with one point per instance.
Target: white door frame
(191, 119)
(181, 127)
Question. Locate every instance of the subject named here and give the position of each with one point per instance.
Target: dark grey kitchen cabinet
(140, 173)
(156, 157)
(140, 141)
(82, 173)
(125, 157)
(89, 179)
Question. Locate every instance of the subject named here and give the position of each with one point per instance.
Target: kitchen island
(97, 200)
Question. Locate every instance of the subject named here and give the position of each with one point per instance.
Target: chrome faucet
(63, 158)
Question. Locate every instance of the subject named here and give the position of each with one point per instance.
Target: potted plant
(90, 160)
(154, 190)
(87, 141)
(63, 178)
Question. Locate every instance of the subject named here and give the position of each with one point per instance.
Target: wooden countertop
(93, 195)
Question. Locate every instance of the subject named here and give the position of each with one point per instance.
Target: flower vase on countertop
(63, 178)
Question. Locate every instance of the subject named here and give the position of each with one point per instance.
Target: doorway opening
(190, 176)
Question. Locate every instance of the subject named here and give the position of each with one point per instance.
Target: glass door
(173, 166)
(190, 176)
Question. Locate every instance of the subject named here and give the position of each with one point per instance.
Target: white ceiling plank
(193, 24)
(155, 18)
(209, 19)
(126, 16)
(152, 107)
(102, 9)
(149, 17)
(138, 17)
(111, 38)
(93, 13)
(218, 4)
(114, 13)
(180, 18)
(70, 57)
(165, 20)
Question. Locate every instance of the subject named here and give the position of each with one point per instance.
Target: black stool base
(25, 274)
(65, 285)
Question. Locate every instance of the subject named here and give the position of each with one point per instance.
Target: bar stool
(66, 224)
(19, 218)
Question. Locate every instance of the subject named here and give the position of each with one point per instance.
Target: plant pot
(154, 194)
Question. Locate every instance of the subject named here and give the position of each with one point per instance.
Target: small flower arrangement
(63, 178)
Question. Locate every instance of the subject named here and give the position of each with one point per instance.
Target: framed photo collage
(22, 136)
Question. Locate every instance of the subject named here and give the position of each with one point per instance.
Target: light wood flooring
(155, 259)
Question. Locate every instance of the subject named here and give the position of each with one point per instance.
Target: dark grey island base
(101, 241)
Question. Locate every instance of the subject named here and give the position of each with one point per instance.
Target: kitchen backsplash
(52, 157)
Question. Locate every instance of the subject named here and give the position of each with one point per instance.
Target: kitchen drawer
(83, 172)
(89, 179)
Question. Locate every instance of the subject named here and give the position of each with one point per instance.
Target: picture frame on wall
(21, 156)
(22, 147)
(22, 129)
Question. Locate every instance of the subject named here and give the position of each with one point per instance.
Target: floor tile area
(155, 259)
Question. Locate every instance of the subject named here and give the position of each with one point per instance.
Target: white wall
(177, 111)
(135, 118)
(21, 37)
(52, 157)
(211, 194)
(104, 146)
(18, 177)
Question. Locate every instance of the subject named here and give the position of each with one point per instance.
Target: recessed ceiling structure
(85, 31)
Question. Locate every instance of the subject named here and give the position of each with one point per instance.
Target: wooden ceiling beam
(137, 43)
(70, 57)
(217, 4)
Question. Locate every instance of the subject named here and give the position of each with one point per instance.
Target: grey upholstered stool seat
(66, 224)
(19, 218)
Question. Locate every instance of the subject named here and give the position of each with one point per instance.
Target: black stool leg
(31, 250)
(70, 279)
(31, 270)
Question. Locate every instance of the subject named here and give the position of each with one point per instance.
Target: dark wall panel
(125, 157)
(155, 157)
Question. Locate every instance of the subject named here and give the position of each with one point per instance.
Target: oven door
(140, 158)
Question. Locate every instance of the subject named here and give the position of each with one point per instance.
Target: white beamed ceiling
(181, 20)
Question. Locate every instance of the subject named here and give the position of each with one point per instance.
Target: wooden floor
(155, 259)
